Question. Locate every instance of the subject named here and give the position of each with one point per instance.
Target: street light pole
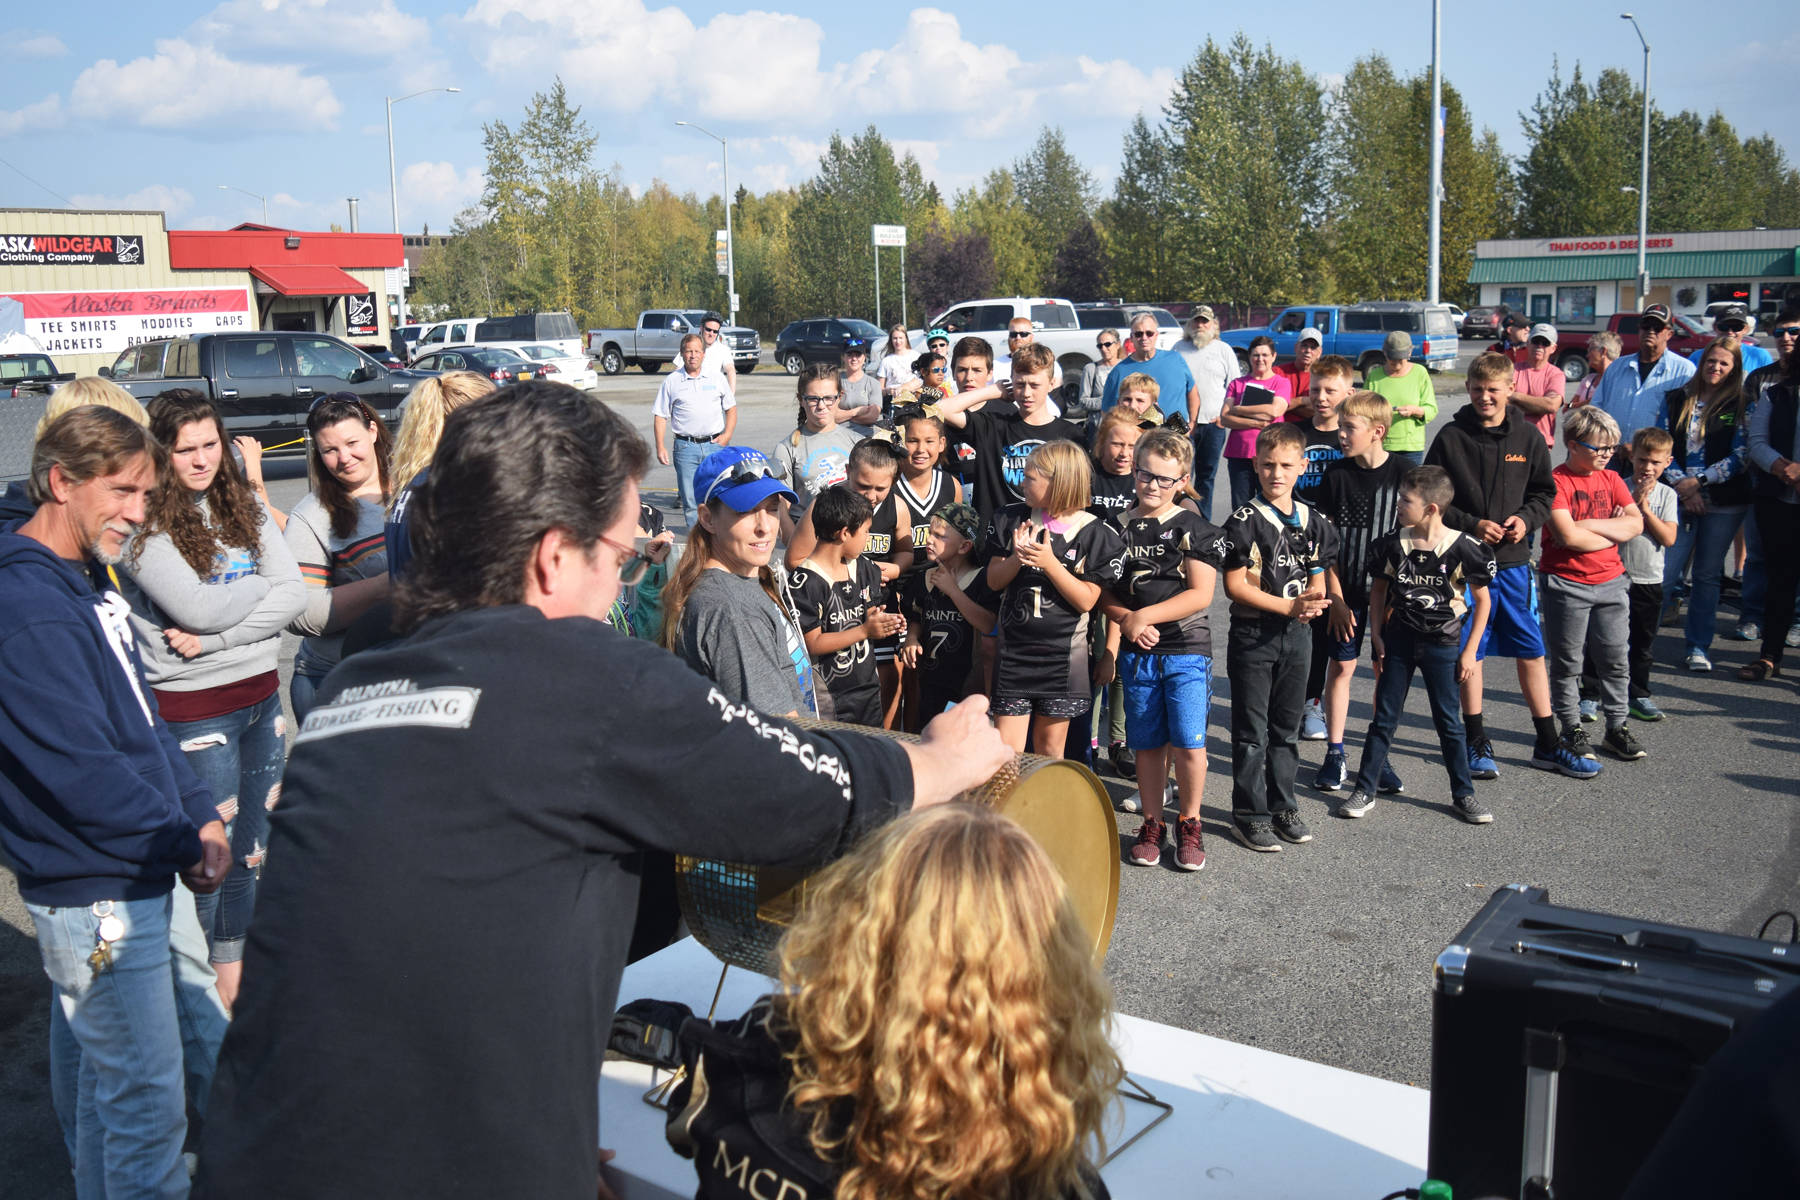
(1643, 173)
(393, 179)
(226, 187)
(1434, 261)
(730, 239)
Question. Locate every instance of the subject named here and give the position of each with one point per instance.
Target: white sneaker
(1697, 661)
(1131, 803)
(1793, 635)
(1312, 724)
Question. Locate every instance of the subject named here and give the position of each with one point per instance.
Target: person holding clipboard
(1252, 402)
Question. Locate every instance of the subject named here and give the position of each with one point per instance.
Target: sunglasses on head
(748, 471)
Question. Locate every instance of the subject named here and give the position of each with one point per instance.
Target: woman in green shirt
(1406, 385)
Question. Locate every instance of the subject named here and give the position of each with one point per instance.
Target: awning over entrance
(1602, 268)
(307, 279)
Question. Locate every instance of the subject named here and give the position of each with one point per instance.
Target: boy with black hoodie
(1501, 471)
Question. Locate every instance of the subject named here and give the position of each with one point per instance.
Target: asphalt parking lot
(1323, 951)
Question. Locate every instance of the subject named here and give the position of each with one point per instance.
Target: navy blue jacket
(97, 801)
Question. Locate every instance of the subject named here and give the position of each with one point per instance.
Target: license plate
(524, 374)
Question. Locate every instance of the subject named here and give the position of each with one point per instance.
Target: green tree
(994, 211)
(1136, 223)
(1080, 269)
(859, 184)
(1057, 194)
(1583, 153)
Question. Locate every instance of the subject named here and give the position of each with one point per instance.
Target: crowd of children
(976, 542)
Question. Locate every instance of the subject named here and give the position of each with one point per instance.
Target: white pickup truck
(1056, 323)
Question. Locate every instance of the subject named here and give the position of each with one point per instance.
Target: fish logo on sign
(130, 249)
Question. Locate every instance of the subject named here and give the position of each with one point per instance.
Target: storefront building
(1581, 282)
(87, 285)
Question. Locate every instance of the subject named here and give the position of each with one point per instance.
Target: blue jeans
(1702, 543)
(302, 689)
(1437, 666)
(130, 1117)
(1209, 444)
(1242, 474)
(688, 456)
(238, 757)
(1414, 458)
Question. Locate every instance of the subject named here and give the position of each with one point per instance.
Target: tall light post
(731, 295)
(226, 187)
(393, 179)
(1643, 172)
(1434, 262)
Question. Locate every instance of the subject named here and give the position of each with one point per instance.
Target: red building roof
(261, 247)
(309, 279)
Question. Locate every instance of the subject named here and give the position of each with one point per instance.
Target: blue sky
(155, 105)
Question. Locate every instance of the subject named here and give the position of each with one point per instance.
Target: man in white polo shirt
(719, 359)
(697, 407)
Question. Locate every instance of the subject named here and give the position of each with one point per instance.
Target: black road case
(1563, 1041)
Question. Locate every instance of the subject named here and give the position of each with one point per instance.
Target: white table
(1247, 1123)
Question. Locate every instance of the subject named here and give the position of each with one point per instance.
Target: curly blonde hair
(950, 1029)
(422, 425)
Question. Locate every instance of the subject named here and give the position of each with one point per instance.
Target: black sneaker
(1360, 802)
(1622, 744)
(1290, 828)
(1256, 834)
(1471, 810)
(1124, 760)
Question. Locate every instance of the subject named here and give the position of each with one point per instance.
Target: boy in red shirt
(1586, 592)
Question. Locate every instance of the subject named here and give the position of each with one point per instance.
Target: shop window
(1540, 307)
(1575, 305)
(1717, 292)
(1773, 297)
(1513, 298)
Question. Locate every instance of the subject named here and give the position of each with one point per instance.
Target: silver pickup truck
(657, 340)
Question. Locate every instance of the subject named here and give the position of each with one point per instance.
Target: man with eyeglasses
(1635, 391)
(1213, 365)
(699, 411)
(1169, 369)
(719, 360)
(1733, 324)
(1020, 334)
(435, 962)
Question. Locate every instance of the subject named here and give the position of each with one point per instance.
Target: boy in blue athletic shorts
(1165, 660)
(1501, 472)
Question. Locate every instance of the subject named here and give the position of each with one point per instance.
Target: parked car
(262, 382)
(1358, 331)
(498, 364)
(1098, 315)
(411, 333)
(656, 339)
(1483, 322)
(1056, 323)
(821, 340)
(558, 329)
(382, 354)
(1572, 344)
(577, 371)
(29, 373)
(1456, 314)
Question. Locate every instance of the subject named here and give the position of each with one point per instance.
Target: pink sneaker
(1147, 850)
(1190, 845)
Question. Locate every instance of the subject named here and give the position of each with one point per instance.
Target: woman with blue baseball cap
(725, 612)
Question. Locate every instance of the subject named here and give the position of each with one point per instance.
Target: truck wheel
(1369, 362)
(794, 363)
(1574, 367)
(649, 366)
(611, 361)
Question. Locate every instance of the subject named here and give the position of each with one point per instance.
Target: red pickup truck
(1572, 344)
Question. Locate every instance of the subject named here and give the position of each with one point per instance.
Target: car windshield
(863, 329)
(1688, 325)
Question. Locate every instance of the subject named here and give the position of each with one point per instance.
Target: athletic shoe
(1646, 709)
(1389, 784)
(1697, 661)
(1481, 760)
(1290, 828)
(1124, 761)
(1131, 802)
(1359, 803)
(1572, 756)
(1334, 772)
(1312, 723)
(1190, 845)
(1622, 744)
(1793, 635)
(1590, 710)
(1471, 810)
(1147, 850)
(1256, 834)
(1746, 631)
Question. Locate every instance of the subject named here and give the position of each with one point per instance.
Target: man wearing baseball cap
(1635, 390)
(1514, 336)
(1733, 324)
(1538, 383)
(1307, 348)
(1212, 365)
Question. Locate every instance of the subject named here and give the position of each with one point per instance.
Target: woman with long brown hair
(1712, 484)
(941, 1030)
(212, 585)
(336, 534)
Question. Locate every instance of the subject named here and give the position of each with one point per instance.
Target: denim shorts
(1350, 649)
(1166, 699)
(1515, 628)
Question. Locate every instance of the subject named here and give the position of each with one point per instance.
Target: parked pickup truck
(1357, 331)
(28, 373)
(1056, 324)
(1572, 344)
(263, 382)
(656, 339)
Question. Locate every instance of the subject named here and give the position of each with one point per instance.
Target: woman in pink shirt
(1246, 420)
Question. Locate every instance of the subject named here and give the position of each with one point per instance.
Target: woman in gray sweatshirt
(212, 585)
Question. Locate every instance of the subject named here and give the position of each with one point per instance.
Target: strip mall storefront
(87, 285)
(1581, 282)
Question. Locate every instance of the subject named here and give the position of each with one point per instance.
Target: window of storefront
(1540, 306)
(1715, 292)
(1513, 298)
(1773, 297)
(1575, 305)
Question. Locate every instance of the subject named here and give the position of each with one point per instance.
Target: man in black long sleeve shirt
(435, 960)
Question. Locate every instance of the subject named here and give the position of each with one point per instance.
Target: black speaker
(1563, 1041)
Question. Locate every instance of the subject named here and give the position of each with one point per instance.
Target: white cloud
(44, 114)
(334, 28)
(934, 69)
(189, 86)
(172, 202)
(43, 45)
(439, 187)
(1117, 89)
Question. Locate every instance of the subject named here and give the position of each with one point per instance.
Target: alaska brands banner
(86, 249)
(107, 322)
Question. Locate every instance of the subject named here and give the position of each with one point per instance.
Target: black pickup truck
(30, 373)
(264, 382)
